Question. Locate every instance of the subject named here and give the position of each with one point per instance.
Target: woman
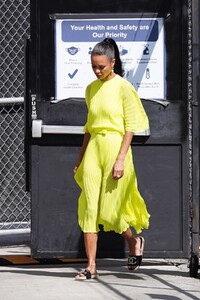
(104, 170)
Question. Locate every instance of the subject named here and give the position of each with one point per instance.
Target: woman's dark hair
(109, 48)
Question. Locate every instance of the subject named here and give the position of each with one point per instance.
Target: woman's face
(102, 66)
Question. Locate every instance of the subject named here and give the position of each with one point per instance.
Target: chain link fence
(14, 28)
(14, 201)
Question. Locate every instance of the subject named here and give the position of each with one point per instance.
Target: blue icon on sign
(72, 50)
(146, 50)
(122, 51)
(125, 73)
(147, 73)
(71, 75)
(90, 50)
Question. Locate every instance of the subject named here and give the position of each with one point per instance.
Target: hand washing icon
(146, 50)
(72, 50)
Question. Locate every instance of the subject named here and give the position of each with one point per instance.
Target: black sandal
(134, 261)
(86, 274)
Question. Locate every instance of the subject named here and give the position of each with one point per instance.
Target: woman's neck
(109, 76)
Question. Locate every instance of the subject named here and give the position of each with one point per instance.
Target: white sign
(141, 45)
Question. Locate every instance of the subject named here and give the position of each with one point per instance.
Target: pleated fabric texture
(115, 204)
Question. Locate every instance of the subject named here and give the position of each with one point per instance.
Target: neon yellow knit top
(114, 105)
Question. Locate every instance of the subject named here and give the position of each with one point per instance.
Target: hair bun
(109, 41)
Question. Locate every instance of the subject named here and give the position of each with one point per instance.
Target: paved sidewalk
(156, 279)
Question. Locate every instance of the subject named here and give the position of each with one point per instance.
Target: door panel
(161, 160)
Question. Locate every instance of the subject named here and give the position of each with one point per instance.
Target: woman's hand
(76, 168)
(118, 169)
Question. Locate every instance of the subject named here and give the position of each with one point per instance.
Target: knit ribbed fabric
(114, 105)
(113, 109)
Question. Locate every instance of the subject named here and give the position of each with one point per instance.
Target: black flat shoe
(134, 261)
(85, 275)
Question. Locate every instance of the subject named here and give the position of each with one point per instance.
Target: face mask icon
(72, 50)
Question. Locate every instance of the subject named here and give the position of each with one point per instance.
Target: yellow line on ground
(20, 259)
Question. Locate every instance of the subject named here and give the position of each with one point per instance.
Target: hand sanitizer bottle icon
(147, 73)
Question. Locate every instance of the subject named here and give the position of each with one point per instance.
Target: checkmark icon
(71, 75)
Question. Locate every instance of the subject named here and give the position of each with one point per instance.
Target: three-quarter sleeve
(135, 118)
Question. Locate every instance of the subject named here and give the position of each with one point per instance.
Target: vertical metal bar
(194, 77)
(189, 88)
(27, 116)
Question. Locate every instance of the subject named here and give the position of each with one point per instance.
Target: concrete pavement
(156, 279)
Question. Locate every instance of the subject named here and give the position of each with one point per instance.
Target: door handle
(38, 129)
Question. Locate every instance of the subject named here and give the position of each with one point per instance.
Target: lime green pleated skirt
(115, 204)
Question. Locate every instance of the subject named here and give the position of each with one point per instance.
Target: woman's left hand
(118, 169)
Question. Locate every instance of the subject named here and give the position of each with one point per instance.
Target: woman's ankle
(91, 267)
(134, 246)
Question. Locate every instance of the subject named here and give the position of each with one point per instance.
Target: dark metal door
(161, 162)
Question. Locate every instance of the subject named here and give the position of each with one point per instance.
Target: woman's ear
(113, 62)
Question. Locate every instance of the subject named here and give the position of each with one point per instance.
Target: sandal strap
(87, 274)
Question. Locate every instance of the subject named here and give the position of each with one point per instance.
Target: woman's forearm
(125, 145)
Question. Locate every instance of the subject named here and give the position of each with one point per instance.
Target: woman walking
(104, 169)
